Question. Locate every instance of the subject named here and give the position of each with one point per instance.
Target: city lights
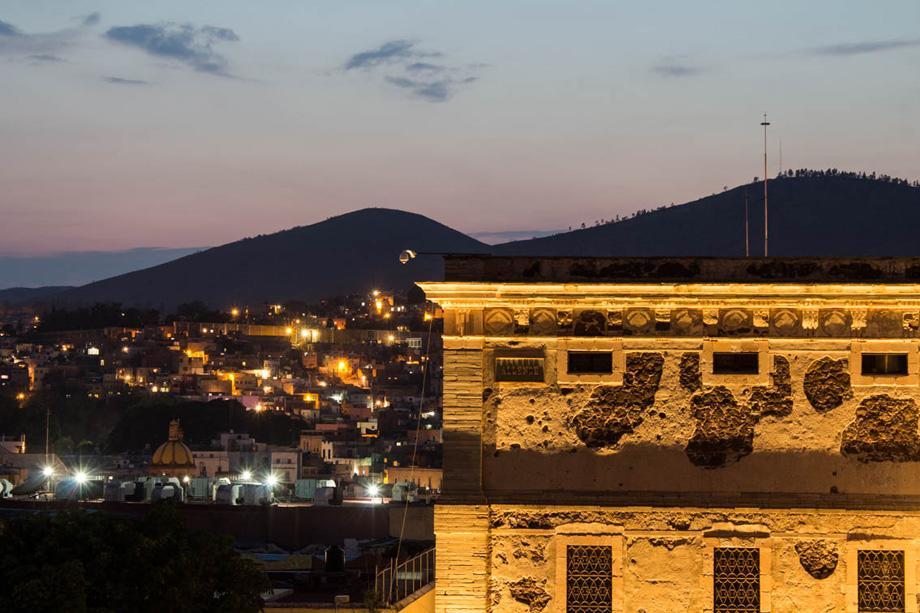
(235, 312)
(80, 477)
(271, 480)
(48, 472)
(246, 475)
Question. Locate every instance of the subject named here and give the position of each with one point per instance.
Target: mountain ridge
(811, 214)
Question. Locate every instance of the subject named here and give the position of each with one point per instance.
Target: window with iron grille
(736, 580)
(588, 579)
(880, 581)
(519, 369)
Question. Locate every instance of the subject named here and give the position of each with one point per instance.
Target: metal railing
(397, 581)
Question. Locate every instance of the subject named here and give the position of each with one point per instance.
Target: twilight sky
(175, 123)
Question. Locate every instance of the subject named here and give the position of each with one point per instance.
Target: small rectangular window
(519, 369)
(735, 363)
(736, 579)
(884, 363)
(590, 362)
(880, 581)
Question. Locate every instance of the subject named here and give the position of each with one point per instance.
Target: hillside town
(345, 379)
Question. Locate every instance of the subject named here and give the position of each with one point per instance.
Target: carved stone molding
(835, 322)
(786, 322)
(639, 321)
(543, 322)
(499, 322)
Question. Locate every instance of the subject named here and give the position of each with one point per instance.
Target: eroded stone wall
(805, 428)
(665, 556)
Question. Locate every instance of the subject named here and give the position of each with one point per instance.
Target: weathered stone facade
(809, 458)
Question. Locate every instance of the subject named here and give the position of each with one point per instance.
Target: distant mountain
(813, 214)
(79, 267)
(350, 253)
(504, 236)
(16, 296)
(810, 215)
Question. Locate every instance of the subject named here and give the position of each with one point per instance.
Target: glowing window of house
(519, 366)
(736, 579)
(880, 581)
(589, 362)
(735, 363)
(884, 364)
(588, 579)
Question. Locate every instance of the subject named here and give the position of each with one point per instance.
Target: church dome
(173, 454)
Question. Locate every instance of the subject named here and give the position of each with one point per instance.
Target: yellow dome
(173, 453)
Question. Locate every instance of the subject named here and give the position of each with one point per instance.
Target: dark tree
(93, 562)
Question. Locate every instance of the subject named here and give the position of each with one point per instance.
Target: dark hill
(811, 214)
(14, 296)
(350, 253)
(816, 214)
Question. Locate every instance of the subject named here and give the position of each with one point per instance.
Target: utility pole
(766, 208)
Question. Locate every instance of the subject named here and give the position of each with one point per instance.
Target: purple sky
(174, 124)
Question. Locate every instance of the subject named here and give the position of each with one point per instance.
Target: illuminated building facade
(679, 434)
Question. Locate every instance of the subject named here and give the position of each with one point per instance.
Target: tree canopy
(80, 561)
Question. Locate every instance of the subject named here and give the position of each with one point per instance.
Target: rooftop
(527, 269)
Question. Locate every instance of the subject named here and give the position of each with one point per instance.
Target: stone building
(679, 434)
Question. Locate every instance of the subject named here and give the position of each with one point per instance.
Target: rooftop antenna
(766, 208)
(747, 242)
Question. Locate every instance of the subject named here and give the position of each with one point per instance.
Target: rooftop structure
(173, 457)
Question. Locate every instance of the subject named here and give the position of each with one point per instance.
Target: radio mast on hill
(766, 209)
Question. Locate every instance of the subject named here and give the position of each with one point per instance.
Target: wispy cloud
(869, 46)
(34, 46)
(392, 52)
(123, 81)
(676, 70)
(91, 19)
(437, 90)
(677, 66)
(404, 65)
(45, 58)
(185, 43)
(8, 29)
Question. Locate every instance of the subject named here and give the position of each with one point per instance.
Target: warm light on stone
(803, 460)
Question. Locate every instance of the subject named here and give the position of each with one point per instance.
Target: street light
(271, 480)
(246, 475)
(48, 472)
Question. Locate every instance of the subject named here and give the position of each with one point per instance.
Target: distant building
(173, 458)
